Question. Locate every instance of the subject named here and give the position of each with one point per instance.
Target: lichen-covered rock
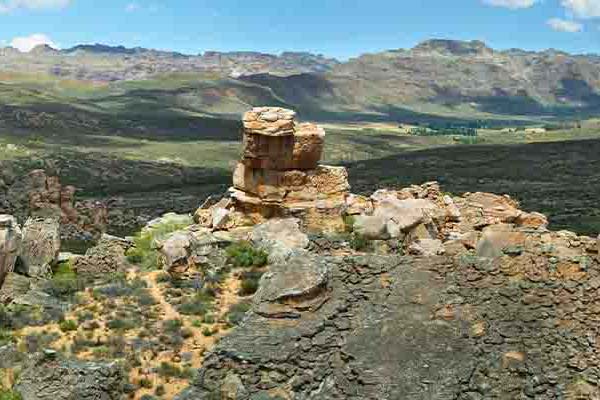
(106, 257)
(46, 378)
(40, 247)
(292, 287)
(10, 244)
(279, 238)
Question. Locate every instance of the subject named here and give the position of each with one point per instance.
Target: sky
(336, 28)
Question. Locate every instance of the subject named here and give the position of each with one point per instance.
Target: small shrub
(197, 323)
(9, 395)
(68, 325)
(5, 337)
(146, 383)
(119, 324)
(172, 325)
(199, 305)
(208, 332)
(160, 390)
(187, 333)
(168, 370)
(244, 255)
(349, 221)
(359, 242)
(209, 319)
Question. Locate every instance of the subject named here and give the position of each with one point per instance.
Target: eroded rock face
(40, 247)
(44, 378)
(10, 245)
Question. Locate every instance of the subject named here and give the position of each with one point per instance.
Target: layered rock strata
(279, 176)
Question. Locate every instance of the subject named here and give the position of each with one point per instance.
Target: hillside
(435, 78)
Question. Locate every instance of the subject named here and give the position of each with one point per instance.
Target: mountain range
(442, 77)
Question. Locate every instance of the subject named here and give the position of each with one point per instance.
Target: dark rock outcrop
(388, 327)
(46, 378)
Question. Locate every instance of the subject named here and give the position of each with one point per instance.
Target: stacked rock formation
(279, 175)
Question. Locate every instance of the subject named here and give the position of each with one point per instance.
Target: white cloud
(583, 8)
(27, 43)
(11, 5)
(563, 25)
(131, 7)
(512, 4)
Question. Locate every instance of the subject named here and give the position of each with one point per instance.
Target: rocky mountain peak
(453, 47)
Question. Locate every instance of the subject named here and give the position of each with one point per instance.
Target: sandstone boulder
(10, 245)
(269, 121)
(40, 248)
(496, 239)
(293, 185)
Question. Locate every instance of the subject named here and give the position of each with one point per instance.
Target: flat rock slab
(373, 338)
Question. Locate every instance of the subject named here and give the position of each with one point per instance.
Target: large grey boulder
(280, 238)
(40, 248)
(393, 217)
(46, 378)
(176, 251)
(10, 245)
(291, 287)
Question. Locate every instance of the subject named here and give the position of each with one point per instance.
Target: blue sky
(339, 28)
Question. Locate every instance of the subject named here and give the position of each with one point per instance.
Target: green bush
(9, 395)
(68, 325)
(199, 304)
(172, 325)
(349, 221)
(244, 255)
(359, 242)
(5, 337)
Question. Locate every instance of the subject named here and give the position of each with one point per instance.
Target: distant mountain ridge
(436, 74)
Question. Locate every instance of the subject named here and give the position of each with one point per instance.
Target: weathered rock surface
(40, 247)
(280, 238)
(15, 285)
(44, 378)
(10, 245)
(390, 327)
(107, 256)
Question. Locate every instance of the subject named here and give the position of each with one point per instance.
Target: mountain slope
(439, 77)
